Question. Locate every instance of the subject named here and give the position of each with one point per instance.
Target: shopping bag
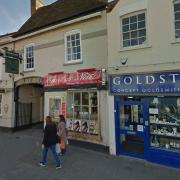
(58, 149)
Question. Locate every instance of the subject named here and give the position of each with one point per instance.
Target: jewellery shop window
(164, 115)
(82, 112)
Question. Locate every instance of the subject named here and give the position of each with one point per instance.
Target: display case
(164, 115)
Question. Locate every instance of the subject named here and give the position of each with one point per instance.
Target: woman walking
(62, 133)
(49, 142)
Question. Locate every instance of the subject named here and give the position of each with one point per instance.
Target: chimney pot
(35, 5)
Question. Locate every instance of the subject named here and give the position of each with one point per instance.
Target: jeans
(55, 156)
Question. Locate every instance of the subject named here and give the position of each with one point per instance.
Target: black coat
(50, 135)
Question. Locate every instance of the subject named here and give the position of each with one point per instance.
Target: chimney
(35, 5)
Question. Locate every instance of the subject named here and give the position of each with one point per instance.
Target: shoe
(58, 167)
(42, 164)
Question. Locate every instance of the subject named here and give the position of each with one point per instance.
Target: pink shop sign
(77, 78)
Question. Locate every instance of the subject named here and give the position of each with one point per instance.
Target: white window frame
(65, 37)
(25, 59)
(1, 104)
(143, 45)
(175, 2)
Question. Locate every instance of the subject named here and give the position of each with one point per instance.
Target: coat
(50, 135)
(62, 131)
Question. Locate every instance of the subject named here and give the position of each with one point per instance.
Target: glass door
(132, 117)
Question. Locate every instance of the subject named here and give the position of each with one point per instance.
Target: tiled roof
(59, 12)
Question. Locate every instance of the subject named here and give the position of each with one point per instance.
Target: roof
(59, 12)
(111, 5)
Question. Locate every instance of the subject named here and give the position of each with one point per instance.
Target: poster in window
(77, 126)
(93, 127)
(69, 124)
(85, 126)
(54, 107)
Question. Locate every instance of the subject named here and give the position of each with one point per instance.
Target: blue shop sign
(145, 83)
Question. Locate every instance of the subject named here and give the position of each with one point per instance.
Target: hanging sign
(168, 82)
(77, 78)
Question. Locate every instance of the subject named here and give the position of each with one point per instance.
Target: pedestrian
(49, 142)
(62, 133)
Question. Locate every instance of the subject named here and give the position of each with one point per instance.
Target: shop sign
(145, 83)
(77, 78)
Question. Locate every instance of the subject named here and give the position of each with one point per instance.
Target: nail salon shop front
(147, 116)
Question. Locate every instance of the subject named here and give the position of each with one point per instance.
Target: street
(21, 152)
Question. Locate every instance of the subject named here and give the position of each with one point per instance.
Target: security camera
(123, 60)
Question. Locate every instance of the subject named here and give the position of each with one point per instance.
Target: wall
(161, 52)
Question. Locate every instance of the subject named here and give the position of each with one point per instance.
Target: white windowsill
(175, 41)
(29, 70)
(135, 48)
(73, 62)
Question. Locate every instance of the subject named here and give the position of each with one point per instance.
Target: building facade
(144, 80)
(63, 68)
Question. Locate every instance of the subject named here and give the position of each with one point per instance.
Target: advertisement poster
(93, 127)
(69, 124)
(54, 107)
(85, 126)
(77, 126)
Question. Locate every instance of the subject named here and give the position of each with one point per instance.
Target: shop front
(147, 116)
(78, 96)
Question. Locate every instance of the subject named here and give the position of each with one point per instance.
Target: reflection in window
(70, 106)
(77, 98)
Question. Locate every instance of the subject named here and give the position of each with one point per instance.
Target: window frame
(25, 59)
(175, 2)
(143, 45)
(1, 104)
(73, 116)
(69, 33)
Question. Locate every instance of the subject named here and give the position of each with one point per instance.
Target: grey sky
(13, 13)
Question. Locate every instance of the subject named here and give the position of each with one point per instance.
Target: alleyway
(21, 152)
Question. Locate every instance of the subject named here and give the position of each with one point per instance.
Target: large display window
(83, 112)
(164, 115)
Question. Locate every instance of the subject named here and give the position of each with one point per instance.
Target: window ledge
(135, 48)
(73, 63)
(175, 41)
(28, 70)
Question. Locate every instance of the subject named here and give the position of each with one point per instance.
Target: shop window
(133, 30)
(82, 116)
(164, 115)
(29, 57)
(73, 46)
(177, 19)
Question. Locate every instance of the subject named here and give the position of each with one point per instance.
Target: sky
(13, 14)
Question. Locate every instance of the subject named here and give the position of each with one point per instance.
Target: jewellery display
(164, 126)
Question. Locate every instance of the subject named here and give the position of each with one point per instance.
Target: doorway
(132, 124)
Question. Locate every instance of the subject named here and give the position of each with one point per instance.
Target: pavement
(20, 153)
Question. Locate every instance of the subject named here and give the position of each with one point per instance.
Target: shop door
(133, 123)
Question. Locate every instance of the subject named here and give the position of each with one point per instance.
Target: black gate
(23, 115)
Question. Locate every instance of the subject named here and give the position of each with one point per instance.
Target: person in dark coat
(49, 142)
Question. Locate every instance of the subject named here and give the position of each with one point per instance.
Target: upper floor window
(0, 104)
(177, 19)
(73, 46)
(133, 30)
(29, 57)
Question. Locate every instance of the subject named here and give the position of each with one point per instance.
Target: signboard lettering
(145, 83)
(76, 78)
